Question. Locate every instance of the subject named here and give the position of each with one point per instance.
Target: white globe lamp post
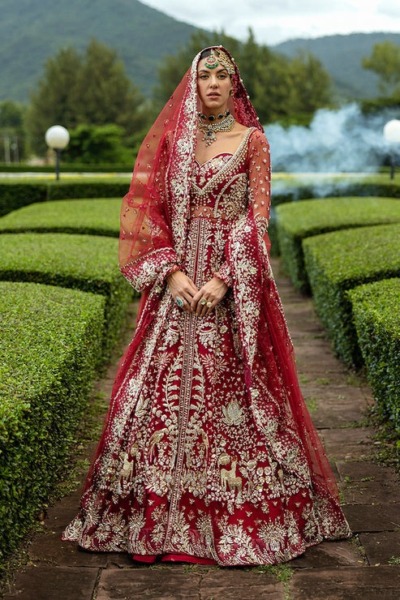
(57, 138)
(391, 133)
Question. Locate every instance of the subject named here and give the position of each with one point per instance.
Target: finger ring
(203, 301)
(179, 302)
(209, 304)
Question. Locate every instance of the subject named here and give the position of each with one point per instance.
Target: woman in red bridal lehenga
(208, 453)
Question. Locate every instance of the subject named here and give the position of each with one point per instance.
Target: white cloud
(276, 20)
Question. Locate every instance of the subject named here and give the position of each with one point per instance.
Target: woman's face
(213, 86)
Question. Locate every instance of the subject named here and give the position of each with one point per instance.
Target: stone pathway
(366, 567)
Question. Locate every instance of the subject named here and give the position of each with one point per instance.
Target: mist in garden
(343, 140)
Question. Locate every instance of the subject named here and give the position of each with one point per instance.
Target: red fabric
(241, 519)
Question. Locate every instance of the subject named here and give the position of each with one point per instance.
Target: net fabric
(153, 213)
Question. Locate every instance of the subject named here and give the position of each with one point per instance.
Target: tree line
(107, 115)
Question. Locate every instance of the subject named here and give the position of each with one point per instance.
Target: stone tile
(372, 518)
(234, 583)
(346, 584)
(329, 554)
(370, 492)
(49, 549)
(359, 470)
(381, 547)
(158, 582)
(347, 443)
(47, 583)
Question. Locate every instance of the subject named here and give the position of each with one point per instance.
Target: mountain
(342, 55)
(33, 30)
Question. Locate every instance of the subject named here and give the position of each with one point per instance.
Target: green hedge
(341, 260)
(85, 262)
(377, 320)
(15, 194)
(66, 168)
(96, 217)
(300, 220)
(49, 347)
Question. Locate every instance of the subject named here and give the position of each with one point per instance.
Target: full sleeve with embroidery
(259, 165)
(259, 194)
(150, 267)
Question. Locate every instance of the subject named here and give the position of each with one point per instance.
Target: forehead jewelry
(218, 58)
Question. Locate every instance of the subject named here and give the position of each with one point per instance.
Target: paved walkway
(366, 567)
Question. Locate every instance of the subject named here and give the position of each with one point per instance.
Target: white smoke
(343, 140)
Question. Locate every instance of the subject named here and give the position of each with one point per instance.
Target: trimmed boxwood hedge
(49, 346)
(96, 217)
(341, 260)
(15, 194)
(85, 262)
(377, 320)
(300, 220)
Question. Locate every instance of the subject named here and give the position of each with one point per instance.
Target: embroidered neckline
(221, 173)
(244, 139)
(201, 164)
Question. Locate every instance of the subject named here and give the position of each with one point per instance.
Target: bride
(208, 452)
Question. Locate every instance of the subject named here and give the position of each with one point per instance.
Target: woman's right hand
(181, 286)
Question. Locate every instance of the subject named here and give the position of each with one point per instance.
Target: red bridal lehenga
(208, 452)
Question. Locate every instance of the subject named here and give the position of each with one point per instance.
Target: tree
(311, 82)
(385, 62)
(97, 144)
(91, 89)
(12, 134)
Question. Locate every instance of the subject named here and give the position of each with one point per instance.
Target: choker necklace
(223, 122)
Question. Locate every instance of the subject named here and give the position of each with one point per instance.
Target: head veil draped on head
(153, 216)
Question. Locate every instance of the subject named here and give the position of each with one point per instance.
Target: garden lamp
(391, 133)
(57, 138)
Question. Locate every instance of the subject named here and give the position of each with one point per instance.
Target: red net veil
(153, 217)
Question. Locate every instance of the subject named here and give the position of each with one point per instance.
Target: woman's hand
(213, 291)
(181, 286)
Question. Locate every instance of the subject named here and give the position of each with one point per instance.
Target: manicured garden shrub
(94, 188)
(299, 220)
(17, 193)
(339, 261)
(66, 168)
(50, 343)
(96, 217)
(377, 321)
(85, 262)
(14, 195)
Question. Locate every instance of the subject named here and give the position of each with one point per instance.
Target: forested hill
(33, 30)
(342, 55)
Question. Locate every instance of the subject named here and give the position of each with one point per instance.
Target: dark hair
(205, 53)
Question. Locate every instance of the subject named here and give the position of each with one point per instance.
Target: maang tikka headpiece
(218, 58)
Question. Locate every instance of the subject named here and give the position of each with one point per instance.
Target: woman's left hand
(213, 291)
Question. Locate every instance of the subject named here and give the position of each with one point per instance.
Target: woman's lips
(213, 95)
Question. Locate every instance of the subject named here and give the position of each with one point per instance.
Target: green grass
(95, 216)
(339, 261)
(299, 220)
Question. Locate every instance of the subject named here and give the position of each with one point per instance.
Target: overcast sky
(274, 21)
